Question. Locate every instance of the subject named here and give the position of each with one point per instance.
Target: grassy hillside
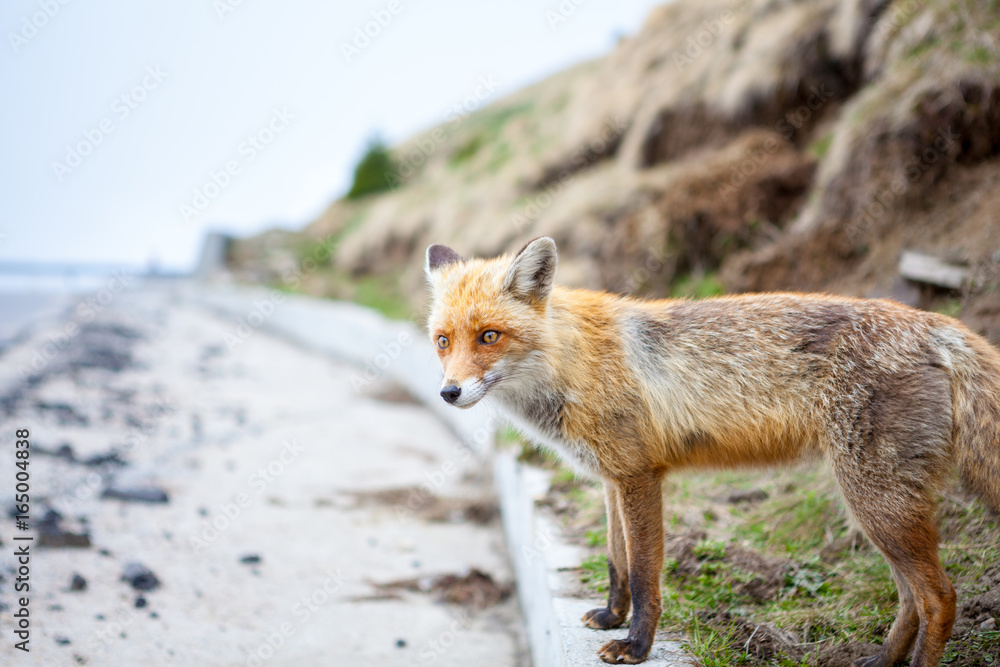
(765, 144)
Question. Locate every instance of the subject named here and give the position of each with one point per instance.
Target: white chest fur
(577, 454)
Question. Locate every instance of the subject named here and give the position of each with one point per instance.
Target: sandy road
(265, 450)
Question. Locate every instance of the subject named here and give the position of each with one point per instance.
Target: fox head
(488, 318)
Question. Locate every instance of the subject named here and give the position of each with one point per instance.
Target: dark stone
(151, 494)
(140, 577)
(250, 559)
(51, 534)
(78, 583)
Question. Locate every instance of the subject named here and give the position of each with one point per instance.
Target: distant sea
(31, 294)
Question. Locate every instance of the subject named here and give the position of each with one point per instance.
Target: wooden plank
(922, 268)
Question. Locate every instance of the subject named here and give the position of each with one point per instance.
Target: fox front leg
(619, 596)
(642, 523)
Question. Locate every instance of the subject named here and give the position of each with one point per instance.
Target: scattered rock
(51, 533)
(64, 413)
(152, 494)
(78, 583)
(62, 641)
(111, 458)
(250, 559)
(400, 643)
(103, 345)
(140, 577)
(64, 452)
(988, 624)
(140, 602)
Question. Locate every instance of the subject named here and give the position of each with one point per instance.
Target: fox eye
(442, 342)
(490, 337)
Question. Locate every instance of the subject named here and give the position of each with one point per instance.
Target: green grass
(848, 595)
(980, 55)
(821, 146)
(467, 150)
(697, 286)
(949, 307)
(483, 132)
(382, 293)
(594, 572)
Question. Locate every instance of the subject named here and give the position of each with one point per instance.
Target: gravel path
(293, 500)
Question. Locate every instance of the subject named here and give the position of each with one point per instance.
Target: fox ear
(439, 256)
(531, 274)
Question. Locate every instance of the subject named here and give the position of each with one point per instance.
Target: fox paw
(602, 619)
(623, 651)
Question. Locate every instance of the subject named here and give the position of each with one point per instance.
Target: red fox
(627, 390)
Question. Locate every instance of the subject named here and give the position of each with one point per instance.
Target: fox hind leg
(889, 458)
(927, 598)
(903, 634)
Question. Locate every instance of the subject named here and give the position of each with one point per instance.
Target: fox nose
(451, 393)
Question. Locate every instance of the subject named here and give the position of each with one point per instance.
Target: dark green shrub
(373, 171)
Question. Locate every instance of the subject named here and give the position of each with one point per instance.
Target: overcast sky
(121, 118)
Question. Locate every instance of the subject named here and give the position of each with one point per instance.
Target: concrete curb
(399, 351)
